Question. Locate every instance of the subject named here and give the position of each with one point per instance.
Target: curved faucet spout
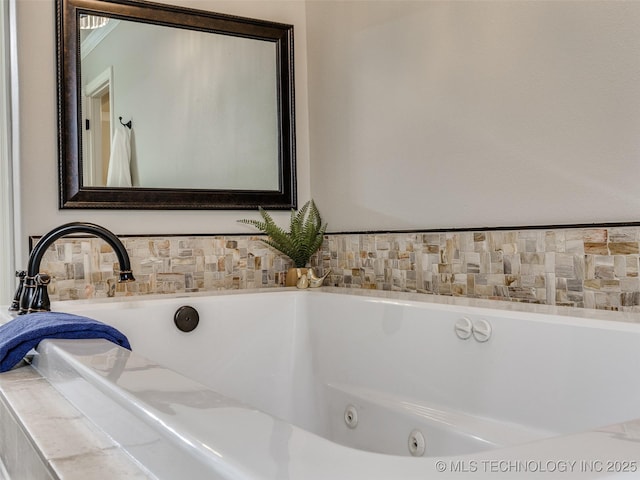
(45, 242)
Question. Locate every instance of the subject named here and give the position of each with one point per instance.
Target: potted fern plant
(304, 238)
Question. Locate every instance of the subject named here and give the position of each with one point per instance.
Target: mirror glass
(171, 99)
(165, 107)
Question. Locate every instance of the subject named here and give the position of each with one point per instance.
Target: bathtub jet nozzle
(417, 444)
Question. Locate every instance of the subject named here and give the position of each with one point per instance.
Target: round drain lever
(186, 318)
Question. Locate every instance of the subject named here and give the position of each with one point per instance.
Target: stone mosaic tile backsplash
(590, 268)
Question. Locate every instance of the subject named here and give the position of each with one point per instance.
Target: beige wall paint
(38, 127)
(417, 115)
(441, 114)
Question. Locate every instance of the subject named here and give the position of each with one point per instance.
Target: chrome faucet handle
(40, 301)
(15, 304)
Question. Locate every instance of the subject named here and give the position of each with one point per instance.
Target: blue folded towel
(25, 332)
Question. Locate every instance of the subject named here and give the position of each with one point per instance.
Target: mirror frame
(72, 192)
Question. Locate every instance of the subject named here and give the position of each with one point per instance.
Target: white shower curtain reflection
(119, 172)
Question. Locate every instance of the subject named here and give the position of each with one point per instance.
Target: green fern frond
(305, 235)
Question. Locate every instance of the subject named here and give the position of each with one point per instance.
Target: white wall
(442, 114)
(38, 128)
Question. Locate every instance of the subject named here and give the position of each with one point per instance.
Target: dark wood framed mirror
(195, 107)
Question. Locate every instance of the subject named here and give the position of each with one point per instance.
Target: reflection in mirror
(168, 92)
(168, 107)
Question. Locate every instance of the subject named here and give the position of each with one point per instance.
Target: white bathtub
(261, 388)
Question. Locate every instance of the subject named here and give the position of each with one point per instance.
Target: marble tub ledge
(44, 437)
